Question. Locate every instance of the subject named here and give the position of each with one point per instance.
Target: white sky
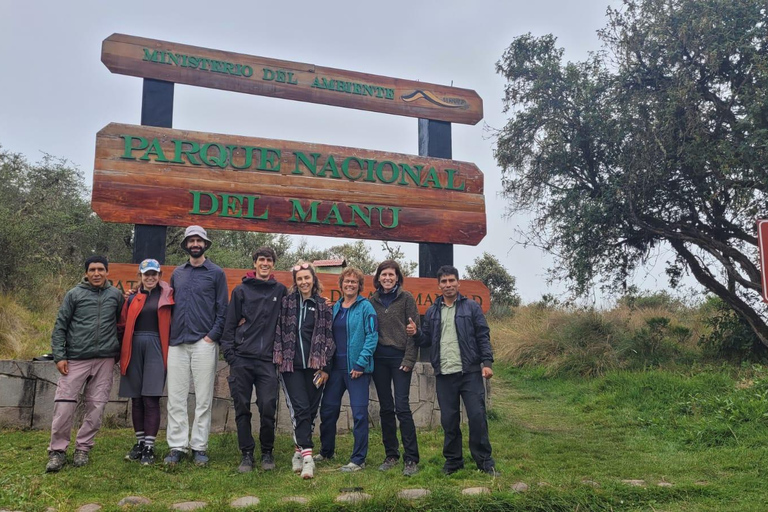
(55, 93)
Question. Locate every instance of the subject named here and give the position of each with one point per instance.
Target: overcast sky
(55, 93)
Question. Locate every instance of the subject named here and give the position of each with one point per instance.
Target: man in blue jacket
(461, 355)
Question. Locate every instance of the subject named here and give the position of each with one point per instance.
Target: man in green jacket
(85, 346)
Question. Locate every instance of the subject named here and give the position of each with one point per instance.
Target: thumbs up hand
(410, 329)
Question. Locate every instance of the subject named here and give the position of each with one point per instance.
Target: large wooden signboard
(762, 243)
(192, 65)
(160, 176)
(424, 290)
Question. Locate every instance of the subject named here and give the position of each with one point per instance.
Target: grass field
(572, 441)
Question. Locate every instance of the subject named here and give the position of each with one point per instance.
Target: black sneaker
(56, 461)
(148, 456)
(267, 461)
(135, 453)
(246, 464)
(410, 468)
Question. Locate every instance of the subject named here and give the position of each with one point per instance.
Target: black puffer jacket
(471, 328)
(257, 302)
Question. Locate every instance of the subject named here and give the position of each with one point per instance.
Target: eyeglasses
(303, 266)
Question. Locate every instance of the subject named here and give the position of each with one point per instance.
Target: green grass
(556, 435)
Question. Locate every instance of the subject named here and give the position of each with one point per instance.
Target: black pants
(471, 389)
(303, 399)
(386, 373)
(244, 375)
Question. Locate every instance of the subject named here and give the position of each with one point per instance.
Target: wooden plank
(249, 74)
(424, 290)
(159, 176)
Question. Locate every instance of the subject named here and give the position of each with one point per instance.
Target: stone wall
(27, 390)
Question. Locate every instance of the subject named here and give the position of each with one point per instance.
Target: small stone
(189, 505)
(413, 494)
(133, 500)
(89, 507)
(634, 483)
(296, 499)
(701, 482)
(591, 482)
(665, 484)
(519, 487)
(353, 497)
(245, 501)
(475, 491)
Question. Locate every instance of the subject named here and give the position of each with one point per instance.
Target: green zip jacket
(86, 327)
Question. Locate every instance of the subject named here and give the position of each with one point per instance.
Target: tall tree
(659, 138)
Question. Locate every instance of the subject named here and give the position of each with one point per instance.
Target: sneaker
(174, 457)
(199, 457)
(80, 458)
(352, 467)
(388, 464)
(451, 470)
(319, 457)
(411, 468)
(56, 461)
(148, 456)
(267, 461)
(135, 453)
(297, 464)
(491, 471)
(308, 468)
(246, 464)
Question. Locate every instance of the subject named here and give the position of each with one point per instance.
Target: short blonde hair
(352, 271)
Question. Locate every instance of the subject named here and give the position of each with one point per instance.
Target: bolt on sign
(217, 69)
(125, 276)
(161, 176)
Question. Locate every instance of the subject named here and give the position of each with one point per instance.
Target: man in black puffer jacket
(461, 355)
(247, 343)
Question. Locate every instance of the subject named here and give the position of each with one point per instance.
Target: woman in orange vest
(146, 318)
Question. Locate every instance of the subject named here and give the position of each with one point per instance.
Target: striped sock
(306, 452)
(149, 441)
(140, 437)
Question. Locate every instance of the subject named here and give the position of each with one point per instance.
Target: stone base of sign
(27, 389)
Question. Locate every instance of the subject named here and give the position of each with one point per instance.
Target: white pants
(198, 361)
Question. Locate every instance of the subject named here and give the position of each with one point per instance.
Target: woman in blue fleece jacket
(355, 332)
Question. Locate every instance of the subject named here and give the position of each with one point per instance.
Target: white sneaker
(296, 463)
(308, 468)
(352, 467)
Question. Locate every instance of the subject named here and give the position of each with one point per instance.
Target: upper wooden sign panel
(217, 69)
(149, 175)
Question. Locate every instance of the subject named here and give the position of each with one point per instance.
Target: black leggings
(146, 415)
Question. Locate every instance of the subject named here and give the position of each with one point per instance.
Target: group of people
(271, 337)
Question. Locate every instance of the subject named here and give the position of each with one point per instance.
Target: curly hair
(356, 272)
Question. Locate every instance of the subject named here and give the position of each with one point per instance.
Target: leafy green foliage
(489, 270)
(730, 337)
(656, 141)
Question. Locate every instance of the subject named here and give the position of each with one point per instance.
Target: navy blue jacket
(201, 302)
(471, 328)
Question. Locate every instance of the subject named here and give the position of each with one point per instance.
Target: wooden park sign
(192, 65)
(160, 176)
(424, 290)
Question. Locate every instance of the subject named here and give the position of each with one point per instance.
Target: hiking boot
(80, 458)
(297, 464)
(148, 456)
(388, 464)
(56, 461)
(352, 467)
(174, 457)
(199, 457)
(308, 468)
(411, 468)
(451, 470)
(246, 463)
(135, 453)
(267, 461)
(491, 470)
(319, 457)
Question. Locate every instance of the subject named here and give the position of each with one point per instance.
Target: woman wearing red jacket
(146, 320)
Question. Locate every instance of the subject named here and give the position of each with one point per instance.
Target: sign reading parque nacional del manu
(162, 176)
(192, 65)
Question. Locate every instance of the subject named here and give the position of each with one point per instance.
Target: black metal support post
(156, 110)
(434, 140)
